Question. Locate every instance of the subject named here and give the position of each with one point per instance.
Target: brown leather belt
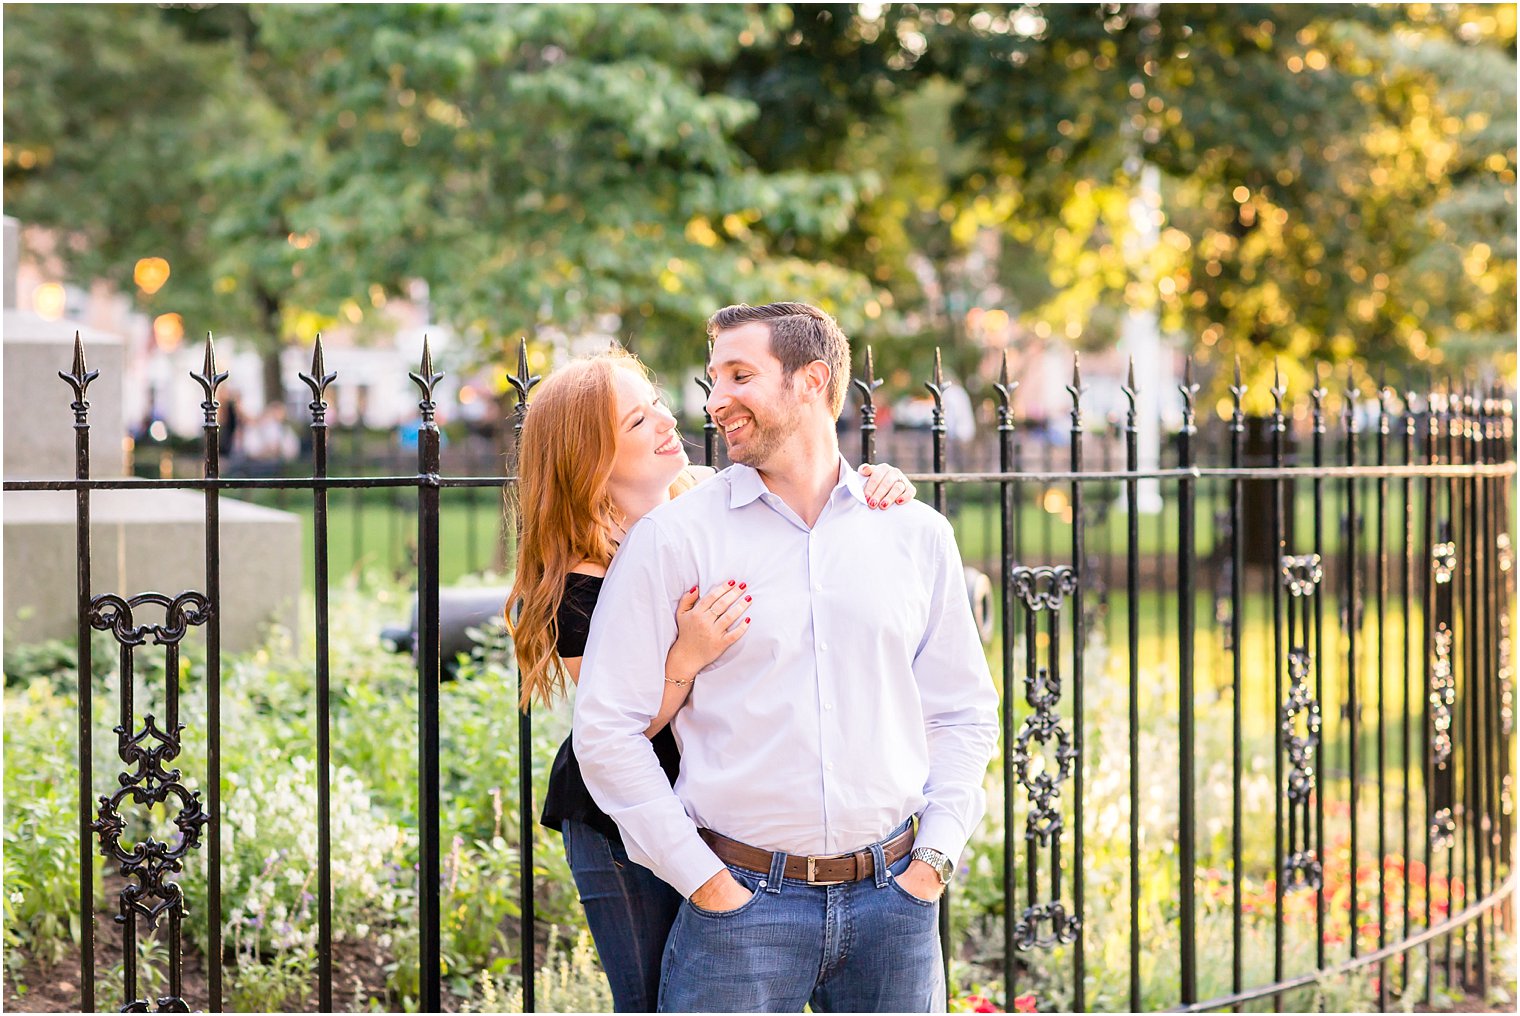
(832, 869)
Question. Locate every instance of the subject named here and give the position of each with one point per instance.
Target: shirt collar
(745, 484)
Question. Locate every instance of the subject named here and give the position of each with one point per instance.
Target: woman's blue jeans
(629, 911)
(866, 946)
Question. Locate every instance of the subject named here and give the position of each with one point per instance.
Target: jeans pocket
(748, 880)
(899, 890)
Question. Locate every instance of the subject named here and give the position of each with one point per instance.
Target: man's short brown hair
(800, 334)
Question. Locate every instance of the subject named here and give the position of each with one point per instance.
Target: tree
(556, 166)
(1302, 217)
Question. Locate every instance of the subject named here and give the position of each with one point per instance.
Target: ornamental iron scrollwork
(1043, 756)
(1044, 588)
(150, 749)
(1300, 723)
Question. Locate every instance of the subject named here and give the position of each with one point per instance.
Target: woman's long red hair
(565, 456)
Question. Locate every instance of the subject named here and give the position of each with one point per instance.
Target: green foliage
(1315, 161)
(269, 814)
(1336, 181)
(41, 824)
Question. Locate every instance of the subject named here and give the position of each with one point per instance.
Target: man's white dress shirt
(859, 696)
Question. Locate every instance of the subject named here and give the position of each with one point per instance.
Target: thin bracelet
(679, 684)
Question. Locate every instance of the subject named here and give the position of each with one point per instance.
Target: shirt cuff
(689, 866)
(939, 830)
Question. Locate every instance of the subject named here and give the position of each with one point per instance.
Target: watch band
(943, 869)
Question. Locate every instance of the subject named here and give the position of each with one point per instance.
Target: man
(857, 700)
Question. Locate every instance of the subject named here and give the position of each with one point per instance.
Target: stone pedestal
(148, 540)
(39, 425)
(140, 540)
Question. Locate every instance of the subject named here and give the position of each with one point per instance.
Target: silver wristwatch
(936, 860)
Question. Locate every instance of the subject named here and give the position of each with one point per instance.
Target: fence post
(1237, 666)
(1187, 875)
(1279, 656)
(428, 676)
(522, 382)
(1005, 389)
(1132, 550)
(1078, 564)
(317, 381)
(209, 379)
(1317, 396)
(1353, 614)
(709, 428)
(867, 387)
(79, 379)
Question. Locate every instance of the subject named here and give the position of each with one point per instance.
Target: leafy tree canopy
(1333, 181)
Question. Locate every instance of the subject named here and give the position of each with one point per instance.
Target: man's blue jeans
(866, 946)
(629, 910)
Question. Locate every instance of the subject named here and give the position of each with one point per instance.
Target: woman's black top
(568, 797)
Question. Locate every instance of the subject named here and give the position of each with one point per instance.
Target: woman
(598, 451)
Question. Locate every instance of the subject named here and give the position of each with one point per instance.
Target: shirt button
(828, 705)
(823, 647)
(830, 767)
(818, 587)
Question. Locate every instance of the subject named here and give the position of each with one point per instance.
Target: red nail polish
(746, 620)
(900, 500)
(692, 589)
(748, 598)
(743, 586)
(871, 502)
(730, 581)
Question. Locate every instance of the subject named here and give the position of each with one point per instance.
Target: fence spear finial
(523, 381)
(209, 379)
(1132, 393)
(867, 388)
(317, 381)
(79, 367)
(1076, 389)
(1189, 390)
(937, 386)
(704, 382)
(1278, 391)
(1005, 388)
(1237, 392)
(79, 378)
(426, 378)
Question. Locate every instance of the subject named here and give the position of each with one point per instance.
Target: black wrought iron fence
(1405, 527)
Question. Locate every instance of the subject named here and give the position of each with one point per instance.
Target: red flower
(1024, 1003)
(976, 1003)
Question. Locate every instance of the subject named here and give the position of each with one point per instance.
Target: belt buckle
(812, 872)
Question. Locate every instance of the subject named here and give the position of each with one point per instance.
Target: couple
(784, 714)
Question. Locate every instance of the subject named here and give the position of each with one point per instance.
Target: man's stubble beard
(765, 441)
